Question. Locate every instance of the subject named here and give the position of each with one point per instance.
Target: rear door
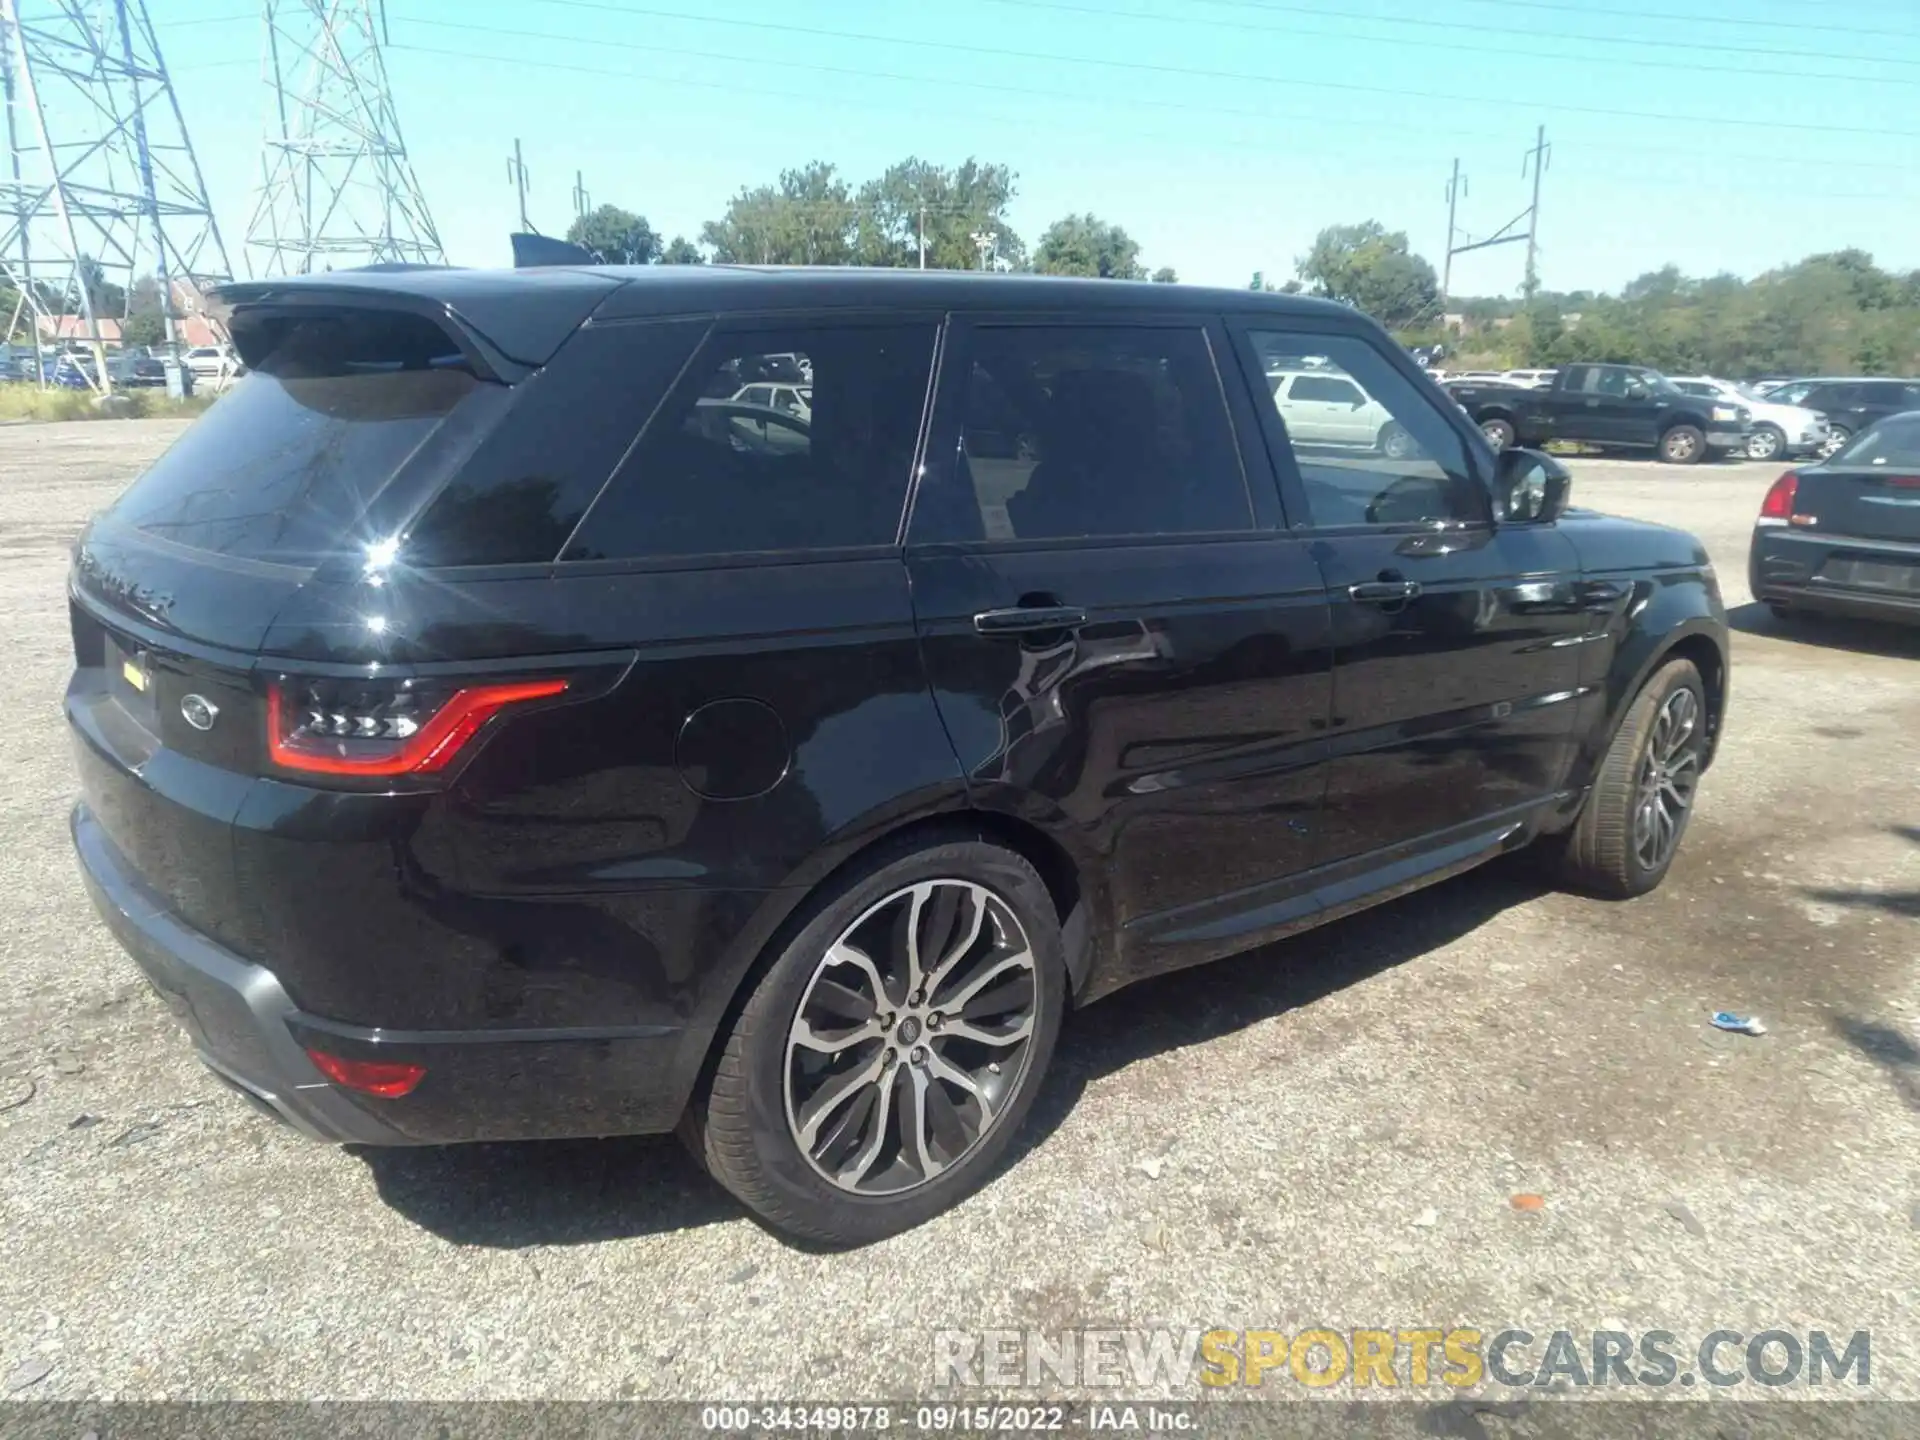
(1124, 645)
(1455, 640)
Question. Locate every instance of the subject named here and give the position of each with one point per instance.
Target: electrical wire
(1292, 117)
(1145, 67)
(1716, 22)
(1024, 121)
(1691, 65)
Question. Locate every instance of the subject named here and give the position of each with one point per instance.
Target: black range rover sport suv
(577, 702)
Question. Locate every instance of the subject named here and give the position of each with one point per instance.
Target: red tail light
(383, 728)
(1777, 508)
(388, 1079)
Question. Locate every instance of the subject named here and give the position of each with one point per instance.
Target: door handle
(1384, 592)
(1023, 619)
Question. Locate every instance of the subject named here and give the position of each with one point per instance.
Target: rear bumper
(1785, 567)
(479, 1085)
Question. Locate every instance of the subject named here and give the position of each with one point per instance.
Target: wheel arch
(1072, 882)
(1699, 638)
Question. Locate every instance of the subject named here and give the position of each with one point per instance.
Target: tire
(1837, 436)
(1604, 853)
(1767, 442)
(1683, 445)
(746, 1121)
(1395, 443)
(1499, 433)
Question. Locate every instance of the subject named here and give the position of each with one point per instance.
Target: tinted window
(1104, 430)
(522, 493)
(1328, 388)
(286, 466)
(1396, 461)
(714, 474)
(1889, 392)
(1892, 443)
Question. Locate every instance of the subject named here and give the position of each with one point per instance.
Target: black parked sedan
(1843, 536)
(487, 732)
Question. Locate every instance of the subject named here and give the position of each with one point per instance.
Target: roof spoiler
(531, 251)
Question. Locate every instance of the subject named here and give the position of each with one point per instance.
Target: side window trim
(941, 437)
(1286, 469)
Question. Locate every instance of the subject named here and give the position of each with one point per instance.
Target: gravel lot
(1324, 1133)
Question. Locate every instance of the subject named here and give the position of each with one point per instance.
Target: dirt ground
(1326, 1133)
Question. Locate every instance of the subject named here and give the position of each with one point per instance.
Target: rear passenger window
(1068, 432)
(1384, 455)
(723, 468)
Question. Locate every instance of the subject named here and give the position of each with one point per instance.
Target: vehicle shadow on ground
(1890, 1049)
(511, 1196)
(1894, 902)
(1831, 632)
(1209, 1002)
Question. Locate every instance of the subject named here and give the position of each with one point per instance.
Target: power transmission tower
(1539, 156)
(337, 186)
(1509, 233)
(102, 189)
(1456, 187)
(517, 173)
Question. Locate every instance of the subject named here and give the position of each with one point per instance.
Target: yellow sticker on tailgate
(136, 675)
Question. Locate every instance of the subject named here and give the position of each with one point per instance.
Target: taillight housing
(1777, 508)
(378, 728)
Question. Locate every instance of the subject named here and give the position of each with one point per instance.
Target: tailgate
(163, 791)
(1881, 505)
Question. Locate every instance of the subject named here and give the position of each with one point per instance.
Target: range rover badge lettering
(198, 711)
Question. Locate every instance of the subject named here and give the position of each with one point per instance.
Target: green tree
(805, 219)
(1165, 275)
(618, 237)
(1088, 245)
(108, 299)
(1374, 271)
(947, 206)
(147, 327)
(682, 251)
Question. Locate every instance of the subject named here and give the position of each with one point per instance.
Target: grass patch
(30, 402)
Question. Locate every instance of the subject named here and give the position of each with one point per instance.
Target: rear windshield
(284, 467)
(1891, 445)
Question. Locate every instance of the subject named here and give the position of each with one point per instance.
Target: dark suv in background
(1850, 405)
(492, 725)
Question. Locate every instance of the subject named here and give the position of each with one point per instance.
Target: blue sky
(1222, 133)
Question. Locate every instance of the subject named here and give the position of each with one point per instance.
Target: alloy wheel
(1669, 773)
(1679, 447)
(912, 1037)
(1763, 445)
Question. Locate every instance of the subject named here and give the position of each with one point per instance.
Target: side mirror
(1530, 488)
